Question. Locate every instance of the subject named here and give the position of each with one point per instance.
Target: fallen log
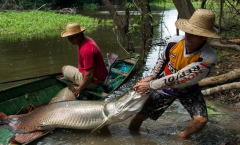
(230, 76)
(217, 43)
(221, 88)
(235, 41)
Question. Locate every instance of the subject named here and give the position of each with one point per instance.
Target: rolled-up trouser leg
(71, 73)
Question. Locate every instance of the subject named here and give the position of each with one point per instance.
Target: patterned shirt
(178, 73)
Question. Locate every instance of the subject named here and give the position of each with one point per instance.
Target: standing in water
(91, 71)
(185, 61)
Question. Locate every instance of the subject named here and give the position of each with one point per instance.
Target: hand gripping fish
(76, 114)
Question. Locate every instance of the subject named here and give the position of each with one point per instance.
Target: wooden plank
(5, 135)
(119, 72)
(129, 61)
(134, 59)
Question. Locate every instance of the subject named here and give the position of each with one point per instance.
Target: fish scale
(74, 114)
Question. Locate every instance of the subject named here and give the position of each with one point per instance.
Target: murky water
(20, 59)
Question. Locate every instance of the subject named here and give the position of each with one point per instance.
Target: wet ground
(40, 56)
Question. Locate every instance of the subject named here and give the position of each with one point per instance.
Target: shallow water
(162, 131)
(20, 59)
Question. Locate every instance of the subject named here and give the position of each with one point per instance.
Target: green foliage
(129, 5)
(219, 105)
(36, 22)
(109, 21)
(209, 106)
(219, 56)
(29, 4)
(91, 6)
(175, 105)
(212, 112)
(138, 47)
(161, 3)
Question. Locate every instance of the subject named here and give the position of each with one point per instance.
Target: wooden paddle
(111, 57)
(54, 74)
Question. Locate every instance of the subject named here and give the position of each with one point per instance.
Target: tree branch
(232, 75)
(221, 88)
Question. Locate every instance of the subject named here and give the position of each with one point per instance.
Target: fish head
(126, 106)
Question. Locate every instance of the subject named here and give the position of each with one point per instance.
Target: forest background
(48, 15)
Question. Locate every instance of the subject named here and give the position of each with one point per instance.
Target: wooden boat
(41, 91)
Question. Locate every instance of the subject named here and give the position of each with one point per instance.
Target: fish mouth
(129, 106)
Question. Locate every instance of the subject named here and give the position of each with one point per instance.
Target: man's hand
(141, 87)
(76, 91)
(87, 78)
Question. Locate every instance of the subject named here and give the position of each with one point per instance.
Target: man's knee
(63, 68)
(200, 120)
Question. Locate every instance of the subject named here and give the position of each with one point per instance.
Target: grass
(37, 22)
(170, 4)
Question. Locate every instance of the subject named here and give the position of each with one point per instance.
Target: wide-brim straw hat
(201, 23)
(72, 29)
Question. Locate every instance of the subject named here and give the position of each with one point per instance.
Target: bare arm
(87, 79)
(148, 79)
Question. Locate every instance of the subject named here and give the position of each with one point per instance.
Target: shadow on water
(39, 56)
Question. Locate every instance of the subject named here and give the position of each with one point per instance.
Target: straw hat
(201, 24)
(72, 29)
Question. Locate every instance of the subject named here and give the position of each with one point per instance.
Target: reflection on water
(39, 56)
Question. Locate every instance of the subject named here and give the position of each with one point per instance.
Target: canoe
(41, 91)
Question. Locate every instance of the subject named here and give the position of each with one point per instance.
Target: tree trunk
(220, 16)
(34, 6)
(148, 20)
(232, 75)
(203, 4)
(234, 7)
(146, 10)
(127, 37)
(177, 30)
(116, 4)
(147, 29)
(20, 4)
(3, 6)
(118, 21)
(185, 8)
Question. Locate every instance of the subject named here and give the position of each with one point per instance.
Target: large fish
(76, 114)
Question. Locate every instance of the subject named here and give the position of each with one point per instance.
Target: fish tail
(13, 123)
(2, 118)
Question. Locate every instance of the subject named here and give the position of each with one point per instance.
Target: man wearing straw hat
(91, 70)
(185, 61)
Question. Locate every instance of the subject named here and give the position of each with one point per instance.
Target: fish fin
(2, 118)
(99, 127)
(14, 130)
(29, 137)
(12, 123)
(42, 126)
